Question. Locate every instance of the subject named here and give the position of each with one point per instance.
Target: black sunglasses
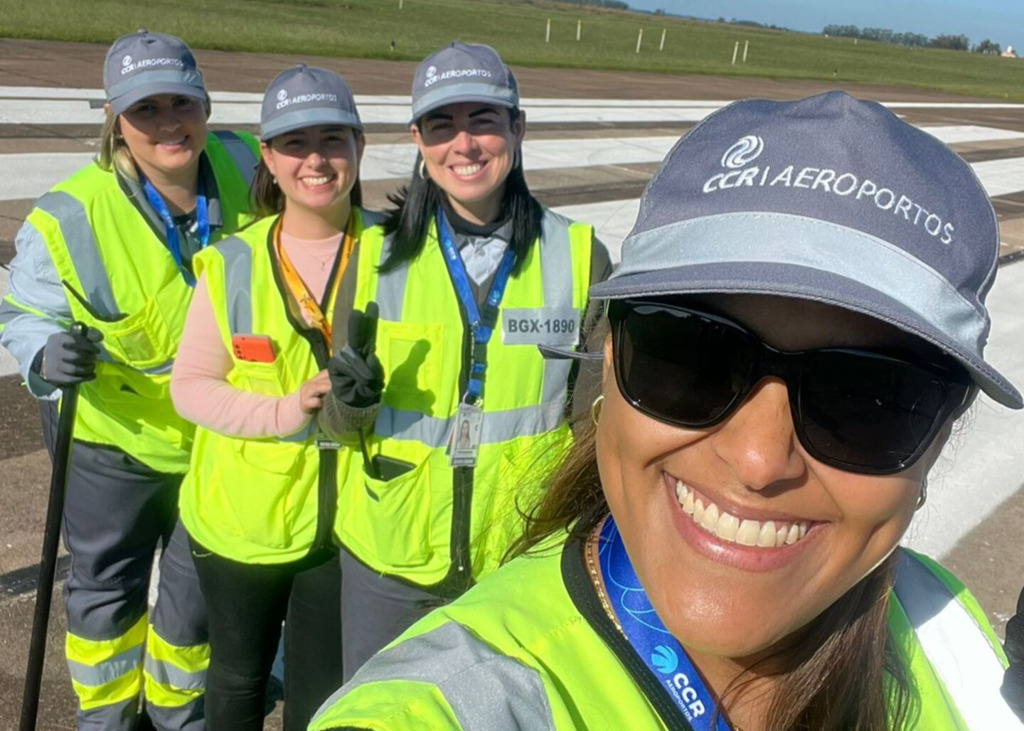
(858, 410)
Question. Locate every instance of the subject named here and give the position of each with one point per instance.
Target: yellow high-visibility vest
(122, 280)
(436, 526)
(261, 500)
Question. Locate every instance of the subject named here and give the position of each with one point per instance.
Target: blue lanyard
(173, 242)
(482, 326)
(652, 643)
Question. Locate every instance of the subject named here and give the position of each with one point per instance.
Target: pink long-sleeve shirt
(199, 386)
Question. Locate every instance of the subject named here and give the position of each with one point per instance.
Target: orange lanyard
(300, 292)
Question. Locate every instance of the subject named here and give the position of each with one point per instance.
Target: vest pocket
(141, 340)
(412, 356)
(267, 504)
(267, 379)
(391, 518)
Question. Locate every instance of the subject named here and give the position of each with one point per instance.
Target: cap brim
(788, 280)
(120, 104)
(462, 99)
(302, 118)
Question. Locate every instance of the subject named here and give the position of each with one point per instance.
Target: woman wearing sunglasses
(797, 323)
(260, 496)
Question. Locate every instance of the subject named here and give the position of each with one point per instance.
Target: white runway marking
(29, 175)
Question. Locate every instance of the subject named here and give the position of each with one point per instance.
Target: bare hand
(311, 393)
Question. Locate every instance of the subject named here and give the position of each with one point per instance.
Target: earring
(595, 409)
(423, 169)
(922, 498)
(274, 181)
(517, 158)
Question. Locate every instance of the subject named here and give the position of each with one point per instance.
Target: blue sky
(1001, 21)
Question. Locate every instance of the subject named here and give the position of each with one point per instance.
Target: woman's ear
(268, 158)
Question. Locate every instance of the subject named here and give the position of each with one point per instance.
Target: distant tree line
(885, 35)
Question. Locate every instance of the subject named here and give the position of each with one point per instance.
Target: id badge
(464, 441)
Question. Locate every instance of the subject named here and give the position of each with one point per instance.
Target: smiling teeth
(321, 180)
(468, 169)
(727, 527)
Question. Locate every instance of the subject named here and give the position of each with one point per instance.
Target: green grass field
(365, 28)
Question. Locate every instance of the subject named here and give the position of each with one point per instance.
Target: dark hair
(415, 203)
(268, 200)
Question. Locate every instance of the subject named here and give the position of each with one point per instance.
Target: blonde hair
(114, 152)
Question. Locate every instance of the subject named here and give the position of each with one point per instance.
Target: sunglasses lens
(679, 366)
(855, 410)
(866, 413)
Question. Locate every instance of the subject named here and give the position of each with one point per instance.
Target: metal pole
(579, 30)
(661, 46)
(547, 34)
(639, 39)
(745, 44)
(735, 50)
(48, 562)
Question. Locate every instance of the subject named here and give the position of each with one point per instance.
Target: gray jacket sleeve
(34, 308)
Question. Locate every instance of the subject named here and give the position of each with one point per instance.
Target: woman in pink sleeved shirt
(258, 512)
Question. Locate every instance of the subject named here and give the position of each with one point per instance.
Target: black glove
(357, 377)
(70, 357)
(1013, 681)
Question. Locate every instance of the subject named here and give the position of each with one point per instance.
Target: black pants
(246, 604)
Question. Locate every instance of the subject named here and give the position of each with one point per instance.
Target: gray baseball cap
(305, 96)
(831, 199)
(462, 72)
(145, 64)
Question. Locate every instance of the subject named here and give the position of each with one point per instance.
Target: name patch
(542, 326)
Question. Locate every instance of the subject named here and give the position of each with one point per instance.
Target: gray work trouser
(375, 609)
(117, 512)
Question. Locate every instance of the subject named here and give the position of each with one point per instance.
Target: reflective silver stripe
(302, 435)
(486, 690)
(838, 250)
(956, 649)
(237, 281)
(558, 275)
(85, 254)
(107, 671)
(391, 287)
(240, 153)
(556, 260)
(498, 426)
(171, 675)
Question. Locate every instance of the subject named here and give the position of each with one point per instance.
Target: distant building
(1009, 53)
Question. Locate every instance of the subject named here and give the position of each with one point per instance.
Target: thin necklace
(590, 551)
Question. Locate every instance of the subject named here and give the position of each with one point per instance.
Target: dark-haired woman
(470, 277)
(259, 498)
(719, 549)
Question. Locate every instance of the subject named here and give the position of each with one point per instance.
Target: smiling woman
(259, 499)
(113, 247)
(470, 276)
(718, 549)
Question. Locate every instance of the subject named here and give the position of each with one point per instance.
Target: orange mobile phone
(253, 348)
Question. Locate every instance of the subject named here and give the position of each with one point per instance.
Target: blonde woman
(112, 247)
